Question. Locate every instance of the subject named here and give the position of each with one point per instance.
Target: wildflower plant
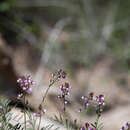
(26, 84)
(30, 120)
(58, 75)
(4, 109)
(6, 117)
(65, 88)
(98, 103)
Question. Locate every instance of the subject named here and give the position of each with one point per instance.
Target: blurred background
(89, 39)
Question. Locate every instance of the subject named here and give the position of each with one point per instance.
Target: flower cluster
(98, 101)
(87, 127)
(59, 74)
(65, 88)
(25, 84)
(126, 126)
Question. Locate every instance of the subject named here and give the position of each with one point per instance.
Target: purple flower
(92, 128)
(80, 110)
(65, 89)
(96, 101)
(86, 104)
(25, 84)
(100, 100)
(87, 124)
(87, 127)
(59, 96)
(36, 114)
(43, 111)
(67, 86)
(29, 90)
(123, 128)
(59, 71)
(126, 126)
(82, 128)
(61, 74)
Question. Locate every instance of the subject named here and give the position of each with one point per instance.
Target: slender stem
(4, 119)
(64, 105)
(97, 120)
(43, 99)
(39, 121)
(24, 113)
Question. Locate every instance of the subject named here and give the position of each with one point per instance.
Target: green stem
(4, 120)
(39, 121)
(43, 99)
(97, 120)
(24, 113)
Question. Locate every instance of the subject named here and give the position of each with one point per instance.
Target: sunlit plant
(30, 120)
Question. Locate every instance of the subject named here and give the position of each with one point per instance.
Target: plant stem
(24, 113)
(97, 120)
(64, 109)
(43, 99)
(39, 121)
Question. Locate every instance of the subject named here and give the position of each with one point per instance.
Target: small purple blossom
(44, 111)
(29, 90)
(126, 126)
(58, 75)
(87, 124)
(64, 90)
(86, 104)
(96, 101)
(99, 100)
(37, 114)
(25, 84)
(123, 128)
(61, 74)
(82, 128)
(87, 127)
(80, 110)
